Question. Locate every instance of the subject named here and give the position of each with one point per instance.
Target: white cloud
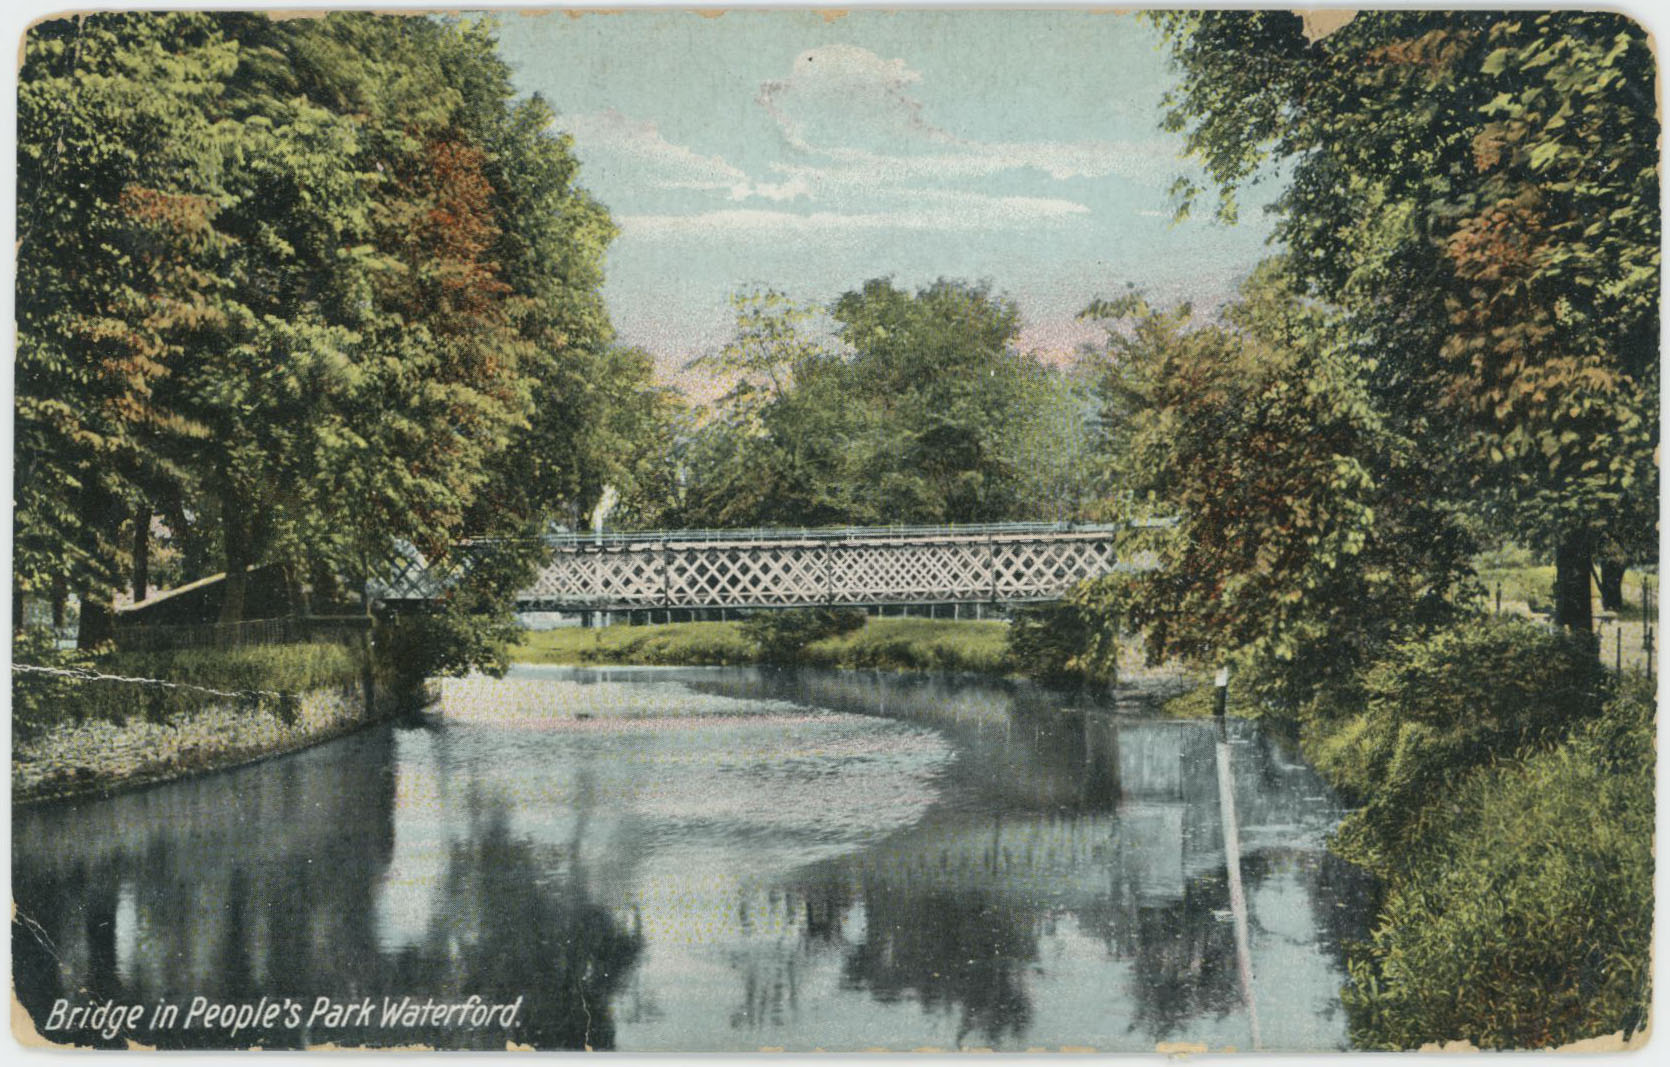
(852, 107)
(869, 160)
(845, 93)
(638, 152)
(953, 212)
(793, 189)
(1147, 163)
(639, 144)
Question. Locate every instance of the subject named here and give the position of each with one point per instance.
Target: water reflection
(715, 860)
(269, 881)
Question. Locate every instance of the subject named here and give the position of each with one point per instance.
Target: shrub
(1522, 916)
(1061, 644)
(915, 645)
(781, 635)
(1441, 706)
(672, 644)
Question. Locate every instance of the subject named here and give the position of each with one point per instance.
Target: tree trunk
(1612, 585)
(295, 592)
(190, 542)
(60, 599)
(98, 621)
(17, 607)
(235, 539)
(141, 552)
(1573, 562)
(327, 591)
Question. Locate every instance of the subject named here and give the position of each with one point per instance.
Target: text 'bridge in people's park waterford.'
(868, 567)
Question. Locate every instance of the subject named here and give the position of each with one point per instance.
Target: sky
(810, 153)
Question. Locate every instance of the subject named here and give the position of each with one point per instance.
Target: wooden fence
(281, 631)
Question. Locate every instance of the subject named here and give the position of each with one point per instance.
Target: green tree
(117, 161)
(1289, 530)
(1057, 443)
(919, 409)
(776, 446)
(939, 367)
(1478, 191)
(341, 289)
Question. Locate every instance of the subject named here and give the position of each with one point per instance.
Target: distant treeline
(888, 406)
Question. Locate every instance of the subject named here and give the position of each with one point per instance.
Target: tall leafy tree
(780, 444)
(917, 409)
(940, 365)
(303, 288)
(1479, 192)
(1289, 529)
(118, 175)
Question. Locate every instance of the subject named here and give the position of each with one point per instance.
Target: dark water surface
(661, 859)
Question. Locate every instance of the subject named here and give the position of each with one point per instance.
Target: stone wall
(96, 756)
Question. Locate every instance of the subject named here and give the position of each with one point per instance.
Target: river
(713, 859)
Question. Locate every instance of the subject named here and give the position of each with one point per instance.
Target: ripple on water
(710, 785)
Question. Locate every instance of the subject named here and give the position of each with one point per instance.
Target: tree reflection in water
(988, 868)
(508, 924)
(950, 951)
(186, 890)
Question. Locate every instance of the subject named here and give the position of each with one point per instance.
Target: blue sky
(809, 153)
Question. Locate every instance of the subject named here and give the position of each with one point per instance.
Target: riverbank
(95, 725)
(880, 644)
(1503, 787)
(1502, 781)
(97, 757)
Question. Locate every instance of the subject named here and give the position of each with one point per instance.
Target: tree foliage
(1284, 519)
(1439, 705)
(1522, 915)
(301, 288)
(919, 409)
(1478, 191)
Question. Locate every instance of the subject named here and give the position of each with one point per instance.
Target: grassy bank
(886, 644)
(42, 701)
(105, 724)
(1503, 792)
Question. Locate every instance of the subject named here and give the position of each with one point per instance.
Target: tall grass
(1505, 784)
(1521, 914)
(41, 701)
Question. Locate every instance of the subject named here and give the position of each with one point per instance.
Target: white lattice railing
(695, 569)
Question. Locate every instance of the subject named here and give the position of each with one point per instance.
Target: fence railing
(280, 631)
(578, 539)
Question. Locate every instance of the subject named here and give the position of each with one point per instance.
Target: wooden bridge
(869, 567)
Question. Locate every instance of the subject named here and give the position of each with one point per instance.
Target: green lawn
(1528, 585)
(676, 643)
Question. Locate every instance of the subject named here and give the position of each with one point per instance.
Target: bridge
(867, 567)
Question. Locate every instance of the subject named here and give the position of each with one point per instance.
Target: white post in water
(1232, 864)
